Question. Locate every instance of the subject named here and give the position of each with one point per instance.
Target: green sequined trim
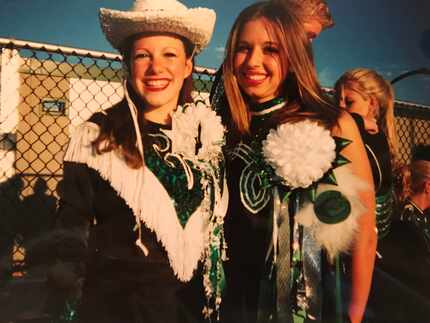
(384, 210)
(174, 180)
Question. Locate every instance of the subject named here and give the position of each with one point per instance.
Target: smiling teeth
(157, 83)
(256, 77)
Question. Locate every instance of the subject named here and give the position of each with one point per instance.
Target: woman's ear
(373, 107)
(188, 67)
(427, 187)
(426, 193)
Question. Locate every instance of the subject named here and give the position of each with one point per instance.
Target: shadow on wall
(10, 209)
(23, 221)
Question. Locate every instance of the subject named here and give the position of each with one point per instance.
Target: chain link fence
(45, 92)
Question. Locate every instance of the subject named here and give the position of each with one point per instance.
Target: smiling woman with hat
(143, 188)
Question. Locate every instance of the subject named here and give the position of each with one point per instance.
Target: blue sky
(391, 36)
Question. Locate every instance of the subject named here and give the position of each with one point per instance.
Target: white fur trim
(336, 238)
(148, 199)
(195, 24)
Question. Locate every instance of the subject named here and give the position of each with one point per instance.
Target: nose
(254, 57)
(340, 98)
(156, 65)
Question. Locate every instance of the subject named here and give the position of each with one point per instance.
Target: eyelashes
(144, 55)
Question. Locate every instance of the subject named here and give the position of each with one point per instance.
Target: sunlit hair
(368, 83)
(309, 10)
(414, 178)
(117, 131)
(301, 88)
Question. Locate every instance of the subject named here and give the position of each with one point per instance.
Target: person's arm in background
(364, 246)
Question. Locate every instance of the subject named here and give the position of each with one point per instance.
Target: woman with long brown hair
(299, 181)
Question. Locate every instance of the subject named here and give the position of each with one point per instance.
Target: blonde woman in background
(370, 100)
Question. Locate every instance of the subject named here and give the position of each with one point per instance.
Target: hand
(371, 125)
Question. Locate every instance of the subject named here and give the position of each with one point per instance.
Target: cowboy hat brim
(195, 24)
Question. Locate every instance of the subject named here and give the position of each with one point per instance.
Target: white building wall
(9, 115)
(89, 96)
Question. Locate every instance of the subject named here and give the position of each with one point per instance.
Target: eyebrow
(148, 49)
(267, 43)
(271, 43)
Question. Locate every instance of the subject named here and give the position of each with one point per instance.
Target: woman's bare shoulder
(346, 127)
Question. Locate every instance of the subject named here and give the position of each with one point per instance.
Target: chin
(153, 104)
(155, 100)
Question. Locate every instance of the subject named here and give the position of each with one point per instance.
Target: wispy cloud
(327, 77)
(219, 50)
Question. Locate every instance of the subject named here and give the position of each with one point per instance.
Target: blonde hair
(301, 87)
(368, 83)
(308, 10)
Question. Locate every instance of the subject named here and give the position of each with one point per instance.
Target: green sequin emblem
(174, 179)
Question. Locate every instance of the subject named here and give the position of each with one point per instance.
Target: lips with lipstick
(253, 78)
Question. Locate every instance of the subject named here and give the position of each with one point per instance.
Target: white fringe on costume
(336, 238)
(149, 200)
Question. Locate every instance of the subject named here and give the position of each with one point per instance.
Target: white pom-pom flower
(300, 153)
(196, 123)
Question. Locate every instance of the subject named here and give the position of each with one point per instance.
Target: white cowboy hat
(195, 24)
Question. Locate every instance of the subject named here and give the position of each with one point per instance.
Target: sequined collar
(268, 107)
(413, 213)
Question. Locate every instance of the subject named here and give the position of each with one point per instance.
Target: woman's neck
(159, 115)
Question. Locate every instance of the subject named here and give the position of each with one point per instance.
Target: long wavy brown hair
(301, 88)
(117, 131)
